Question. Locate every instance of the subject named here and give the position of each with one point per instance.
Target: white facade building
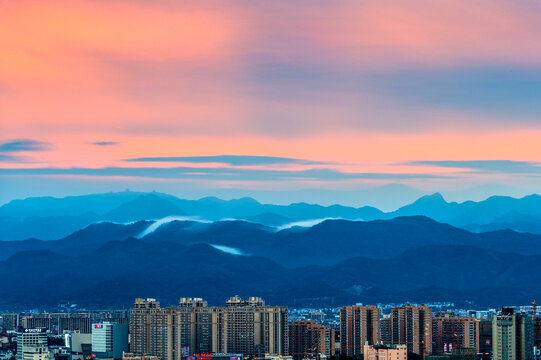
(32, 345)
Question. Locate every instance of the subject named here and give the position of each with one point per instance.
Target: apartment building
(412, 326)
(359, 325)
(512, 336)
(450, 332)
(243, 327)
(310, 339)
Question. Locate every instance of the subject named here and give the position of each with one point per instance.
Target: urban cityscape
(250, 329)
(270, 180)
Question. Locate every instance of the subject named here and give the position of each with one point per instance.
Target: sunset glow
(348, 96)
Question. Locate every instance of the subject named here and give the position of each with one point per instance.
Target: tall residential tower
(243, 326)
(359, 326)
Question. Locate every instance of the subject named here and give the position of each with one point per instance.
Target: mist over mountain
(334, 262)
(128, 245)
(325, 243)
(119, 271)
(53, 218)
(81, 241)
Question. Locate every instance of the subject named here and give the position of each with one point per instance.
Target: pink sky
(354, 87)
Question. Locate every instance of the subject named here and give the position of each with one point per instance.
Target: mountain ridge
(325, 243)
(24, 219)
(118, 276)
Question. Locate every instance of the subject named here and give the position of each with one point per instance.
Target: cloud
(367, 82)
(490, 89)
(233, 160)
(218, 173)
(493, 90)
(105, 143)
(232, 66)
(156, 224)
(228, 249)
(304, 223)
(500, 166)
(5, 158)
(25, 145)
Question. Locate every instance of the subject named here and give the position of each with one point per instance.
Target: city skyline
(270, 180)
(250, 327)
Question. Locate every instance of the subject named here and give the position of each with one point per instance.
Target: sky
(358, 102)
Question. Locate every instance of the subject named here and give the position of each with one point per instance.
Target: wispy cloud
(8, 158)
(233, 160)
(228, 249)
(105, 143)
(25, 145)
(500, 166)
(218, 173)
(489, 89)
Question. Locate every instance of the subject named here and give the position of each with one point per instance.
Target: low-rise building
(385, 352)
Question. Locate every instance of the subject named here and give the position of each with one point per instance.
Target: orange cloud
(179, 79)
(389, 33)
(41, 37)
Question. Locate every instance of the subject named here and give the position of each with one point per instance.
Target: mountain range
(117, 272)
(324, 243)
(50, 218)
(334, 262)
(103, 250)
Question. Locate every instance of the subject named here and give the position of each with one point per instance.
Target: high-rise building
(119, 316)
(450, 332)
(485, 336)
(76, 322)
(55, 321)
(412, 326)
(385, 352)
(32, 344)
(512, 336)
(237, 301)
(359, 326)
(82, 321)
(243, 326)
(146, 324)
(109, 340)
(310, 339)
(10, 321)
(537, 336)
(250, 327)
(386, 331)
(525, 345)
(37, 321)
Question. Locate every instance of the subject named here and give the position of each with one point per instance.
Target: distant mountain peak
(144, 207)
(433, 205)
(433, 198)
(211, 198)
(247, 200)
(49, 218)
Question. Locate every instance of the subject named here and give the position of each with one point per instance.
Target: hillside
(119, 271)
